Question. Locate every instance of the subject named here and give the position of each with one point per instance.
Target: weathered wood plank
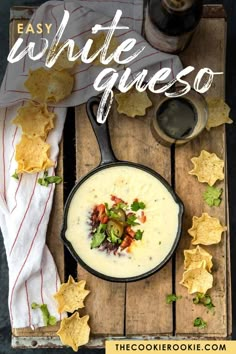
(146, 311)
(106, 301)
(210, 37)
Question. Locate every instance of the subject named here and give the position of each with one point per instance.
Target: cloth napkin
(25, 205)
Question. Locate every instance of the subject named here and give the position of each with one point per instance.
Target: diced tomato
(101, 208)
(101, 211)
(142, 218)
(130, 232)
(116, 199)
(126, 242)
(104, 219)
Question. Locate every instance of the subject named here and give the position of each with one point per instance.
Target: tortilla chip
(98, 41)
(197, 280)
(74, 331)
(49, 85)
(218, 113)
(208, 168)
(206, 230)
(71, 295)
(35, 120)
(133, 103)
(32, 155)
(193, 258)
(63, 63)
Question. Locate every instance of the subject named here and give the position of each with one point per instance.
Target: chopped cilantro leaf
(46, 180)
(121, 206)
(131, 220)
(200, 323)
(212, 196)
(136, 205)
(35, 306)
(138, 235)
(203, 299)
(52, 320)
(172, 298)
(113, 215)
(114, 238)
(15, 175)
(99, 236)
(47, 318)
(107, 209)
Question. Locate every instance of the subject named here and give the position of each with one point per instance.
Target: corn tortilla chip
(206, 230)
(197, 280)
(98, 41)
(32, 155)
(63, 63)
(218, 113)
(71, 295)
(74, 331)
(193, 257)
(49, 85)
(133, 103)
(208, 168)
(35, 120)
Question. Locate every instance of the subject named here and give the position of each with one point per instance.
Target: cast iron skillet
(108, 160)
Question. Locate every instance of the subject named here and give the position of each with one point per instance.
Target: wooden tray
(138, 310)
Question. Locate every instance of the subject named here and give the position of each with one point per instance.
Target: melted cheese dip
(160, 228)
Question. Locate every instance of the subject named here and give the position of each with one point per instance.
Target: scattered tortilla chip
(208, 168)
(193, 258)
(32, 155)
(133, 103)
(218, 113)
(74, 331)
(98, 41)
(71, 295)
(197, 280)
(206, 230)
(49, 85)
(63, 63)
(35, 120)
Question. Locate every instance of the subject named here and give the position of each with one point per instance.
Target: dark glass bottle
(170, 24)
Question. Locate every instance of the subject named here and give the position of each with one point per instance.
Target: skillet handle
(101, 132)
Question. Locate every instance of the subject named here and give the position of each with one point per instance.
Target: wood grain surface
(191, 191)
(106, 301)
(140, 307)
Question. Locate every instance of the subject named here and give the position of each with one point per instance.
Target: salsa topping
(112, 226)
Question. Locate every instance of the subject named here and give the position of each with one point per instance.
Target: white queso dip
(159, 229)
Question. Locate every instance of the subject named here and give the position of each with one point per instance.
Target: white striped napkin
(25, 205)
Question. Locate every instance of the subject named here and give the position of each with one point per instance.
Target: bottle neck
(178, 6)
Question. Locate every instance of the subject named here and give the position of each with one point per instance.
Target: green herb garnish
(200, 323)
(47, 318)
(99, 236)
(131, 220)
(15, 175)
(121, 205)
(212, 196)
(107, 209)
(203, 299)
(114, 238)
(46, 180)
(172, 298)
(136, 205)
(138, 235)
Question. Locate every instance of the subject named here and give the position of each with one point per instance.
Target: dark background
(230, 7)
